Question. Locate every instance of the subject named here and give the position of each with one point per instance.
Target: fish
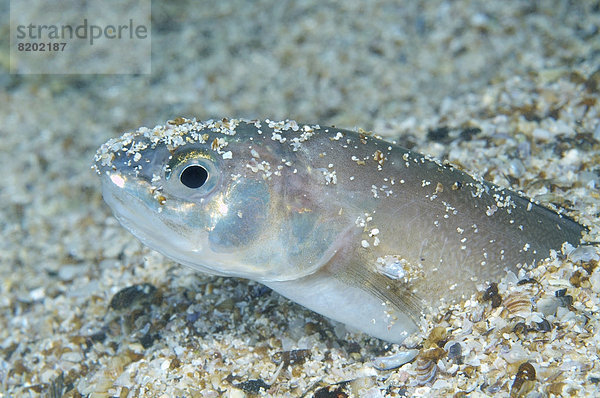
(353, 227)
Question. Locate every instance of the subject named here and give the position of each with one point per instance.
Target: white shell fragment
(396, 360)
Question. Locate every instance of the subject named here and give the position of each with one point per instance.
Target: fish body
(353, 227)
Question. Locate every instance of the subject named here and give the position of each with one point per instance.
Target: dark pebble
(291, 357)
(455, 353)
(326, 392)
(253, 386)
(148, 339)
(468, 133)
(543, 326)
(526, 281)
(439, 134)
(491, 291)
(136, 294)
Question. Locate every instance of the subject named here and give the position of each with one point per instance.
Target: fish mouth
(133, 213)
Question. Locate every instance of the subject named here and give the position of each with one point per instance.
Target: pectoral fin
(396, 295)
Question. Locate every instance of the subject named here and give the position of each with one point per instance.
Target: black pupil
(193, 176)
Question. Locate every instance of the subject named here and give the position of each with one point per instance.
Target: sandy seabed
(505, 90)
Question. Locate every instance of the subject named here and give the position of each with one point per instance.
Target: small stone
(253, 386)
(132, 295)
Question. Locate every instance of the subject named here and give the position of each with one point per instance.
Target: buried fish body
(353, 227)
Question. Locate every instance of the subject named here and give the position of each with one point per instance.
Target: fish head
(199, 193)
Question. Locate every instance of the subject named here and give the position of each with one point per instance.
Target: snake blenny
(353, 227)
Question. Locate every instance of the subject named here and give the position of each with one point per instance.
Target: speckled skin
(353, 227)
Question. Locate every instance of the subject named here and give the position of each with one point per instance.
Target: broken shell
(577, 278)
(595, 281)
(476, 315)
(524, 380)
(584, 254)
(514, 354)
(437, 335)
(518, 304)
(548, 305)
(425, 370)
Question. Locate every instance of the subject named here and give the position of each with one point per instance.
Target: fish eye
(193, 176)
